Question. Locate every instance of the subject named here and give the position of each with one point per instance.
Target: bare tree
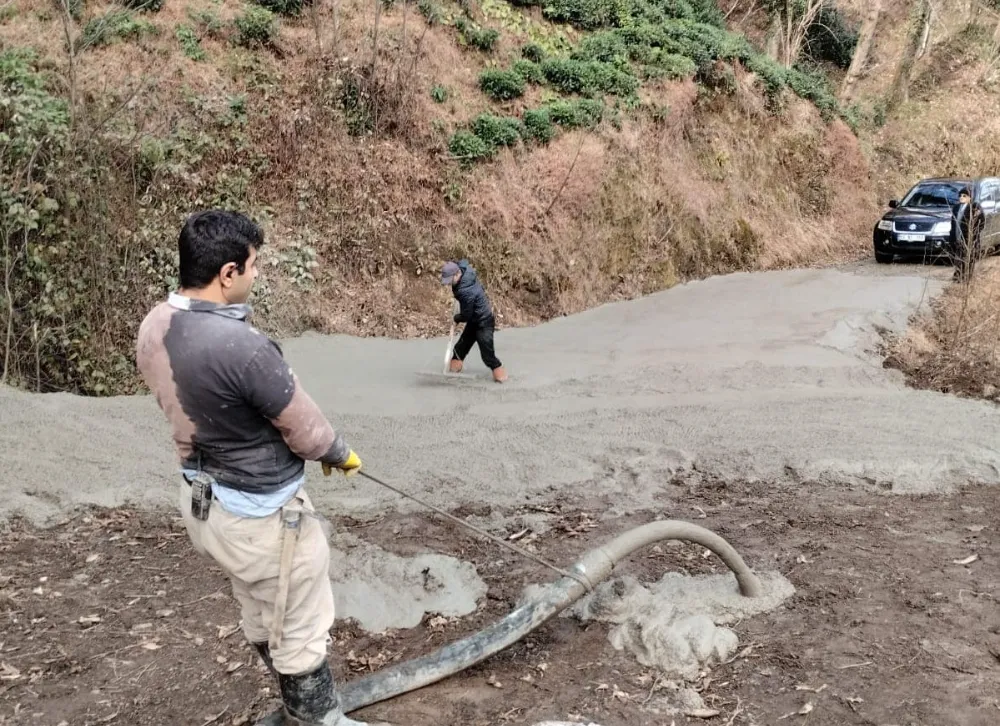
(859, 60)
(916, 44)
(793, 18)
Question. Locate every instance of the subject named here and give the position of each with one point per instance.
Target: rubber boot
(455, 366)
(311, 700)
(499, 374)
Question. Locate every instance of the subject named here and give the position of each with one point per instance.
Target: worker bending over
(243, 426)
(475, 311)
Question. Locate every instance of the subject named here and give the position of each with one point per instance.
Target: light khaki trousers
(249, 551)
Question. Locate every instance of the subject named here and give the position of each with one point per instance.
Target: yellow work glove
(349, 467)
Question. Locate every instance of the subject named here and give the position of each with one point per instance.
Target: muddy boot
(311, 700)
(455, 366)
(499, 374)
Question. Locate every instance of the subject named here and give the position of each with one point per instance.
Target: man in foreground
(967, 230)
(243, 427)
(477, 314)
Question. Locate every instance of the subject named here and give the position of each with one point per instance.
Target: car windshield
(933, 195)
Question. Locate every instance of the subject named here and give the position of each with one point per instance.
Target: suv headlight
(941, 228)
(885, 225)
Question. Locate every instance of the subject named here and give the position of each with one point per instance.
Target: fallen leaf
(151, 645)
(967, 561)
(233, 667)
(166, 613)
(492, 680)
(806, 709)
(92, 558)
(702, 713)
(88, 620)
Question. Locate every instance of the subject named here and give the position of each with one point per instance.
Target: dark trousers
(964, 260)
(481, 334)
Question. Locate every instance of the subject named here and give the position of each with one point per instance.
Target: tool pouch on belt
(201, 494)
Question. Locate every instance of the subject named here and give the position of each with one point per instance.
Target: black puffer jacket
(475, 306)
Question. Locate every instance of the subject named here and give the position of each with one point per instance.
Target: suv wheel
(883, 258)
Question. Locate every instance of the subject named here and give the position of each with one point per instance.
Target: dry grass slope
(694, 183)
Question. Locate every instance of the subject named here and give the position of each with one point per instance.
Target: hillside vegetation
(576, 151)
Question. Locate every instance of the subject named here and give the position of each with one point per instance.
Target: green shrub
(439, 93)
(830, 38)
(582, 113)
(430, 11)
(772, 74)
(814, 86)
(257, 26)
(588, 14)
(671, 65)
(530, 71)
(588, 77)
(500, 84)
(497, 130)
(116, 24)
(471, 34)
(291, 8)
(190, 43)
(538, 125)
(469, 148)
(533, 52)
(147, 6)
(607, 46)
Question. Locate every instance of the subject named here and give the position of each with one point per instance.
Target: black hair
(966, 191)
(214, 238)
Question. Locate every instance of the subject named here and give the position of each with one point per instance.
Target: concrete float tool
(549, 600)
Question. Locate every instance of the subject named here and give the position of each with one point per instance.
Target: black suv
(920, 224)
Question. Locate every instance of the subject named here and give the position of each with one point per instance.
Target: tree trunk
(866, 37)
(900, 92)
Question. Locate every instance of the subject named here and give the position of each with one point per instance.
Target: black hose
(551, 599)
(595, 565)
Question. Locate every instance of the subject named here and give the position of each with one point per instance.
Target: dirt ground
(110, 618)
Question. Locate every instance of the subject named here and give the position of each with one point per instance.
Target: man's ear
(226, 274)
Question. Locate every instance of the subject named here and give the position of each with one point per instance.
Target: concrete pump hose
(549, 600)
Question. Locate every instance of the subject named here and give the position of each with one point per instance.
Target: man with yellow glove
(244, 427)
